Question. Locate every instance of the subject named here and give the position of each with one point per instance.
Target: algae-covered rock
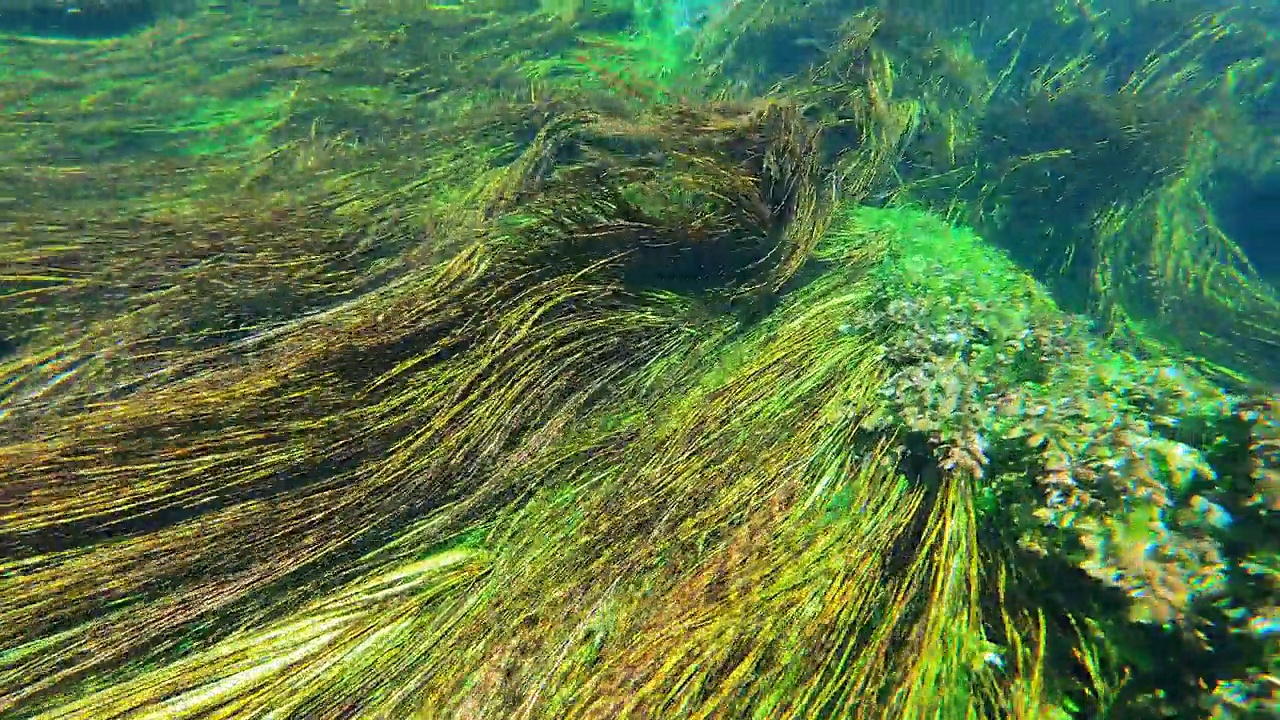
(1133, 469)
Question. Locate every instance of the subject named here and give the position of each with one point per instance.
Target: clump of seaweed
(598, 271)
(1090, 165)
(1109, 207)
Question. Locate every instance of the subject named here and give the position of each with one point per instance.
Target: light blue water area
(691, 13)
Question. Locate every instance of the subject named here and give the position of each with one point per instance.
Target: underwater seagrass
(579, 398)
(1087, 146)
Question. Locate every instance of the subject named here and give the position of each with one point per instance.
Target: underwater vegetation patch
(502, 358)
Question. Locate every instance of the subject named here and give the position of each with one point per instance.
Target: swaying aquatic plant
(671, 500)
(1109, 207)
(1090, 166)
(587, 408)
(269, 431)
(730, 540)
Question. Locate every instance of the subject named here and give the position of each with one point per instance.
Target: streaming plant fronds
(511, 358)
(259, 442)
(1086, 147)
